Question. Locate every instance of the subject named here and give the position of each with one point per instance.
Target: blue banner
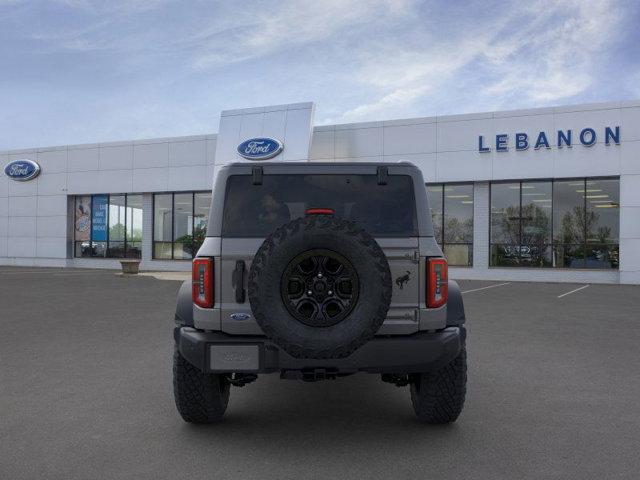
(99, 218)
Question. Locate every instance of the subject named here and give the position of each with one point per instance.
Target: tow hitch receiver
(310, 375)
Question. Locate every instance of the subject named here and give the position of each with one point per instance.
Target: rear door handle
(238, 281)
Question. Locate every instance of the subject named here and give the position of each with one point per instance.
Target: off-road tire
(438, 397)
(200, 397)
(304, 234)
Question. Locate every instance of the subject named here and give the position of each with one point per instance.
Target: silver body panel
(407, 314)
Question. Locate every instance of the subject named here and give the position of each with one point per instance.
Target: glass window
(180, 224)
(564, 223)
(117, 220)
(134, 226)
(505, 224)
(256, 210)
(535, 243)
(99, 225)
(436, 205)
(162, 225)
(82, 226)
(201, 205)
(568, 223)
(603, 223)
(458, 224)
(451, 208)
(108, 226)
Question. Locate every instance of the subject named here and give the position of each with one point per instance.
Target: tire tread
(199, 397)
(438, 397)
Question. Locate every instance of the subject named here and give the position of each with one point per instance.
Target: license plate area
(234, 358)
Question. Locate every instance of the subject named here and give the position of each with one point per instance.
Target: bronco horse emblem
(400, 281)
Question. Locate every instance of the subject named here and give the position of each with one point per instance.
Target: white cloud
(555, 63)
(256, 33)
(159, 68)
(397, 98)
(544, 52)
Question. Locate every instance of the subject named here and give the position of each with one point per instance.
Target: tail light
(320, 211)
(202, 282)
(437, 282)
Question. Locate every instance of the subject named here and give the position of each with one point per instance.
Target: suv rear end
(232, 325)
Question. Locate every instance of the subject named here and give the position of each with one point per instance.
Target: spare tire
(320, 287)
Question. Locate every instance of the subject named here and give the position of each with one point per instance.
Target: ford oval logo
(239, 317)
(260, 148)
(22, 170)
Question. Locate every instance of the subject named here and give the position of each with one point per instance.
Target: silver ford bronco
(317, 271)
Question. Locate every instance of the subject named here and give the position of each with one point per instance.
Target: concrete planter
(130, 266)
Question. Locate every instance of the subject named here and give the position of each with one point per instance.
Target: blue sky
(76, 71)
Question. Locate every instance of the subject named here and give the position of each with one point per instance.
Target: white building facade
(550, 194)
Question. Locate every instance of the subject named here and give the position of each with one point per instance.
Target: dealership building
(548, 194)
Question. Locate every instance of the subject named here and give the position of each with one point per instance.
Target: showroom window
(179, 224)
(563, 224)
(451, 206)
(108, 226)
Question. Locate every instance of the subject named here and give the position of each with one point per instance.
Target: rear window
(256, 210)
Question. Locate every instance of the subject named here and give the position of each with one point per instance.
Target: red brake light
(202, 282)
(320, 211)
(437, 282)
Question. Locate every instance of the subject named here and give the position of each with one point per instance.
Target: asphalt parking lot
(85, 392)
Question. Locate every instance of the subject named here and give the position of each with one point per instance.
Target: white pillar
(147, 226)
(629, 229)
(481, 212)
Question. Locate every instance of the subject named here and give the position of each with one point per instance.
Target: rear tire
(200, 397)
(438, 397)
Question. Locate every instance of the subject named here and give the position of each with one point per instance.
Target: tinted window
(435, 205)
(117, 218)
(458, 213)
(256, 210)
(452, 216)
(568, 211)
(535, 245)
(134, 226)
(108, 226)
(202, 203)
(182, 225)
(569, 223)
(564, 223)
(505, 213)
(603, 211)
(162, 225)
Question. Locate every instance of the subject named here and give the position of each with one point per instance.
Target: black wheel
(319, 288)
(438, 397)
(307, 287)
(200, 397)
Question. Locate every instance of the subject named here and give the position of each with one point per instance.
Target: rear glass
(256, 210)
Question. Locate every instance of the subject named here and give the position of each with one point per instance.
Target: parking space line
(573, 291)
(485, 288)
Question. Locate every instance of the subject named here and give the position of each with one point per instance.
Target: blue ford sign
(22, 170)
(564, 138)
(260, 148)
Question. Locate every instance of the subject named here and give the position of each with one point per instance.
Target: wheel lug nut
(309, 292)
(329, 292)
(320, 275)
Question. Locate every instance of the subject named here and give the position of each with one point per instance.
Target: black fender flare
(455, 306)
(184, 306)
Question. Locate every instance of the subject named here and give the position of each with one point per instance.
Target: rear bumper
(217, 352)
